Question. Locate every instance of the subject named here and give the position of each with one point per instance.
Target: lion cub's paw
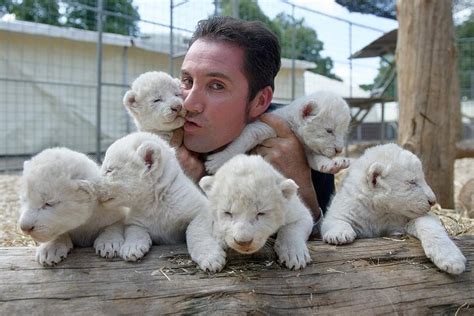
(335, 165)
(51, 253)
(108, 246)
(338, 235)
(211, 260)
(447, 258)
(135, 249)
(215, 161)
(294, 255)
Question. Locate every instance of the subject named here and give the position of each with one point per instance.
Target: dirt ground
(10, 235)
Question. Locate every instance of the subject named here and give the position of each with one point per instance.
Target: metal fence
(62, 77)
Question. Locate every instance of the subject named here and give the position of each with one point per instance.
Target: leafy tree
(40, 11)
(80, 14)
(382, 8)
(308, 47)
(465, 35)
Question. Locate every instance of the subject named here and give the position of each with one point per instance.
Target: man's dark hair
(261, 47)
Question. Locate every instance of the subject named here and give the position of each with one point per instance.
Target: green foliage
(465, 35)
(40, 11)
(307, 45)
(382, 8)
(121, 16)
(80, 15)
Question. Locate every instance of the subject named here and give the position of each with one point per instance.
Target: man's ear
(288, 188)
(260, 103)
(374, 173)
(129, 99)
(150, 154)
(206, 183)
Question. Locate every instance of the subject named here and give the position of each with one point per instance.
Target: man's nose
(193, 100)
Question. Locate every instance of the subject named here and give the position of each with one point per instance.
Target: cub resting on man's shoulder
(60, 209)
(385, 193)
(319, 120)
(155, 103)
(250, 201)
(142, 172)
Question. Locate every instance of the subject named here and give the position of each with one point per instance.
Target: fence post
(99, 77)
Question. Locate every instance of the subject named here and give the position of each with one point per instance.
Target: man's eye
(186, 83)
(216, 86)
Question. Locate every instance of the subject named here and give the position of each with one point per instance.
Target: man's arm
(190, 161)
(286, 153)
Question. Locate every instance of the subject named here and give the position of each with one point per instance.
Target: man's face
(215, 94)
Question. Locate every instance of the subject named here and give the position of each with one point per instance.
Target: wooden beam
(371, 276)
(465, 149)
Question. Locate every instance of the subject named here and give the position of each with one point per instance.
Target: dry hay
(10, 234)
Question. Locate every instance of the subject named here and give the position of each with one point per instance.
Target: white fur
(142, 172)
(155, 103)
(319, 120)
(250, 201)
(385, 193)
(59, 203)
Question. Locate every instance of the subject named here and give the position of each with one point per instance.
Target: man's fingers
(278, 124)
(177, 138)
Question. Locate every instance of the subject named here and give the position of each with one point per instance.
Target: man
(227, 82)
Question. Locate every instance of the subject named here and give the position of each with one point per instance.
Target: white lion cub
(142, 172)
(59, 203)
(249, 201)
(155, 103)
(319, 120)
(385, 193)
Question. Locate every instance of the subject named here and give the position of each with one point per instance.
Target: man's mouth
(190, 126)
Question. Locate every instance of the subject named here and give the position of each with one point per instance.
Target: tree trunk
(428, 91)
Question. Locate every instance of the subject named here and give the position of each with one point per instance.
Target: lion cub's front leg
(204, 249)
(137, 243)
(54, 251)
(337, 232)
(325, 165)
(290, 245)
(437, 244)
(109, 242)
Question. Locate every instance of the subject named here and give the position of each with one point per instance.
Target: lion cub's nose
(431, 202)
(338, 150)
(243, 243)
(27, 228)
(176, 107)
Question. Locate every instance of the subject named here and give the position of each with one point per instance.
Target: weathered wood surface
(372, 276)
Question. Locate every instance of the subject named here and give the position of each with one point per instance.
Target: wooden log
(371, 276)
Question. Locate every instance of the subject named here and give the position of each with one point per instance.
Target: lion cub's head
(395, 180)
(323, 120)
(248, 199)
(58, 193)
(155, 102)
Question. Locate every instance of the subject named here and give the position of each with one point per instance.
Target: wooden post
(428, 91)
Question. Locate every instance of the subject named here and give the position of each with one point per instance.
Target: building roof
(381, 46)
(315, 82)
(158, 42)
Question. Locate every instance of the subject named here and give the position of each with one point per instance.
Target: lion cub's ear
(129, 99)
(374, 173)
(150, 154)
(87, 187)
(206, 183)
(309, 109)
(288, 188)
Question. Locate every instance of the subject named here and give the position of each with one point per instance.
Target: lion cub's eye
(412, 182)
(330, 130)
(228, 214)
(157, 100)
(259, 214)
(48, 204)
(109, 170)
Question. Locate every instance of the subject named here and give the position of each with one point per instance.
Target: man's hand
(189, 161)
(286, 153)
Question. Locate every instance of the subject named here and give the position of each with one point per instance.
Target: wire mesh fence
(65, 67)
